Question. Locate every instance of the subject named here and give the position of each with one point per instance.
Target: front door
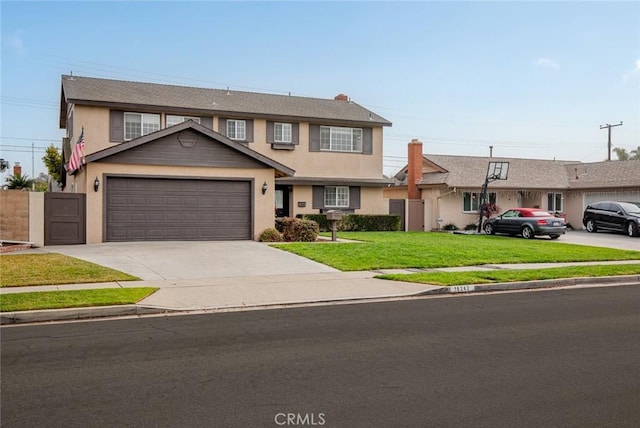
(282, 201)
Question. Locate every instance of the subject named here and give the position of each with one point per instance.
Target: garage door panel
(144, 209)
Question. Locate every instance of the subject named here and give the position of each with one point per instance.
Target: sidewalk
(211, 294)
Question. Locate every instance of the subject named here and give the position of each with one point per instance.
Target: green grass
(396, 250)
(72, 299)
(52, 269)
(489, 277)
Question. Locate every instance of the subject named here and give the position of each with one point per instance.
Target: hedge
(358, 222)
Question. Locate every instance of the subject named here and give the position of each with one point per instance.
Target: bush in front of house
(270, 235)
(300, 230)
(471, 226)
(450, 226)
(358, 222)
(283, 222)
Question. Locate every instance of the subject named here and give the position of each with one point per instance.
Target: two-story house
(165, 162)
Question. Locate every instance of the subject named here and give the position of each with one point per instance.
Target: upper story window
(139, 124)
(236, 129)
(336, 196)
(174, 120)
(282, 132)
(339, 139)
(554, 202)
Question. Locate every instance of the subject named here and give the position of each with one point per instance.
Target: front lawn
(515, 275)
(72, 299)
(19, 270)
(397, 250)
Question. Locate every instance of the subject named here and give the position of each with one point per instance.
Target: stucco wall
(14, 215)
(263, 205)
(36, 218)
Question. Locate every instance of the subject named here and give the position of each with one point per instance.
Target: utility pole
(609, 141)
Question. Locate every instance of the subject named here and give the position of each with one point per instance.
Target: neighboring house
(182, 163)
(440, 189)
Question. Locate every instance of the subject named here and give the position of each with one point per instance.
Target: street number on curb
(461, 288)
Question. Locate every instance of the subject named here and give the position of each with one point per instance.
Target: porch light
(96, 184)
(264, 188)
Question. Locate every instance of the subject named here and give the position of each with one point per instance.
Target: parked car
(528, 222)
(613, 216)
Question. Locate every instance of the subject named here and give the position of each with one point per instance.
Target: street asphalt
(209, 276)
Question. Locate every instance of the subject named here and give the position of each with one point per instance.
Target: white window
(139, 124)
(236, 129)
(336, 196)
(470, 201)
(338, 139)
(282, 132)
(554, 202)
(174, 120)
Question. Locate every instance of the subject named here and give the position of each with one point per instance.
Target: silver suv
(613, 216)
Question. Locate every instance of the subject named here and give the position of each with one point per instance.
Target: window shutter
(318, 197)
(116, 126)
(314, 138)
(222, 126)
(207, 122)
(295, 133)
(70, 125)
(354, 198)
(270, 133)
(367, 141)
(248, 130)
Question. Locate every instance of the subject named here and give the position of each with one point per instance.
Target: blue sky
(532, 79)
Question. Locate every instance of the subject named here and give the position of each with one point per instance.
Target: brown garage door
(159, 209)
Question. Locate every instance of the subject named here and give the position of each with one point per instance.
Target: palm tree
(19, 181)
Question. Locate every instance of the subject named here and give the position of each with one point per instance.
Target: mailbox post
(334, 216)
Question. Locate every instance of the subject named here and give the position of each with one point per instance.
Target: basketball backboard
(498, 170)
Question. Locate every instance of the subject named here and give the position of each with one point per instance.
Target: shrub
(321, 219)
(471, 226)
(270, 235)
(450, 226)
(283, 222)
(300, 230)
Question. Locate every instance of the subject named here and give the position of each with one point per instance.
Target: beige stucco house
(439, 189)
(166, 162)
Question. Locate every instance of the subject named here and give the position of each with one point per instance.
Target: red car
(528, 222)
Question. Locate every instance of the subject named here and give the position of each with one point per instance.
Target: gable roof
(468, 171)
(604, 174)
(126, 94)
(281, 170)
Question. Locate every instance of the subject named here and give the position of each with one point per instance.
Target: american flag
(77, 155)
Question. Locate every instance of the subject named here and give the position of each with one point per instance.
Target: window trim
(335, 202)
(184, 119)
(235, 123)
(554, 197)
(332, 143)
(283, 126)
(142, 123)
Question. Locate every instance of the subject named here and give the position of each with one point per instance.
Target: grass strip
(19, 270)
(515, 275)
(401, 250)
(72, 299)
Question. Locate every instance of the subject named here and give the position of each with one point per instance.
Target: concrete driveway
(601, 239)
(192, 260)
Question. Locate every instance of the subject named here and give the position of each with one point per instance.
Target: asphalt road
(567, 358)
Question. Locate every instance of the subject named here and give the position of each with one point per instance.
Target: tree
(19, 181)
(53, 161)
(635, 154)
(621, 153)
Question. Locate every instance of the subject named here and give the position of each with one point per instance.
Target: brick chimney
(414, 169)
(341, 97)
(17, 169)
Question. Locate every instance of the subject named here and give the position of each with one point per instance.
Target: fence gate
(416, 215)
(64, 218)
(396, 207)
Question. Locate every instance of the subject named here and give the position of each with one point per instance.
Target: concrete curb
(23, 317)
(550, 283)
